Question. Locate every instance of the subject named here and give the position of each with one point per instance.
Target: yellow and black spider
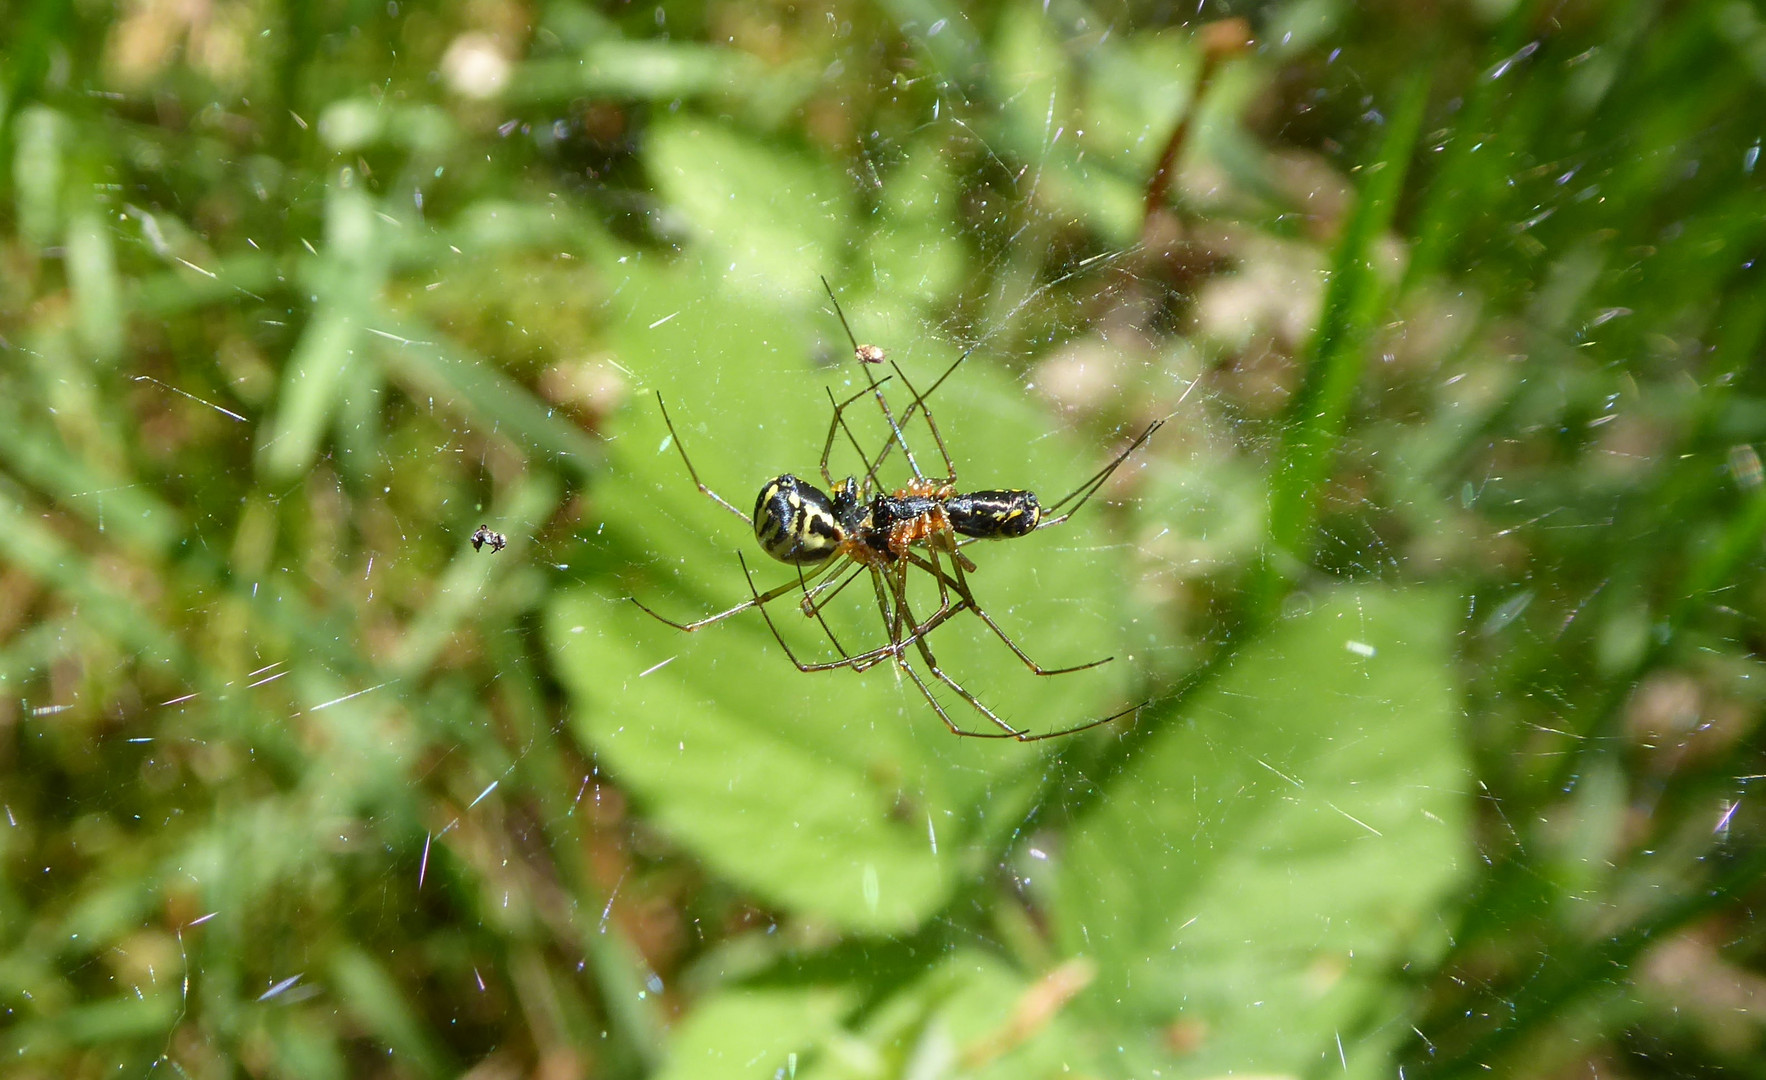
(863, 525)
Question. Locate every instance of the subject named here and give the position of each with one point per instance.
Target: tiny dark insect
(483, 535)
(864, 525)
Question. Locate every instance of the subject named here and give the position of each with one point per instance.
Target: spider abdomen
(994, 515)
(795, 522)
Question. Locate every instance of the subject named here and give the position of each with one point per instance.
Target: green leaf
(752, 1033)
(835, 795)
(969, 1016)
(1034, 79)
(734, 770)
(775, 214)
(40, 135)
(1262, 869)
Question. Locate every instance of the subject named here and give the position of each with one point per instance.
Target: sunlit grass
(1442, 579)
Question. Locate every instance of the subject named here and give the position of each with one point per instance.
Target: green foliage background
(1443, 581)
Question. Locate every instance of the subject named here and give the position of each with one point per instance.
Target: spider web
(301, 780)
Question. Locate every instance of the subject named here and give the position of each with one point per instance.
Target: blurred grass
(1444, 582)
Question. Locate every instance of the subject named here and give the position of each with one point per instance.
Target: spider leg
(950, 469)
(1008, 731)
(938, 573)
(757, 600)
(814, 598)
(891, 608)
(1133, 711)
(891, 604)
(814, 602)
(892, 612)
(926, 691)
(1086, 490)
(876, 388)
(960, 585)
(857, 661)
(707, 492)
(899, 604)
(838, 423)
(919, 403)
(937, 619)
(811, 608)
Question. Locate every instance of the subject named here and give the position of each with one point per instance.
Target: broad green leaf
(774, 214)
(757, 1034)
(1257, 875)
(969, 1016)
(834, 794)
(790, 820)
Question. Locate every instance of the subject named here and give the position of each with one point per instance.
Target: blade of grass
(379, 1003)
(1354, 303)
(1457, 193)
(470, 385)
(112, 504)
(1593, 969)
(309, 392)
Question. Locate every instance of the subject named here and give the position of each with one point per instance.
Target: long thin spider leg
(876, 386)
(748, 576)
(838, 423)
(950, 469)
(945, 607)
(926, 691)
(758, 600)
(892, 604)
(960, 585)
(857, 661)
(896, 436)
(815, 599)
(938, 382)
(900, 602)
(682, 447)
(918, 403)
(1086, 490)
(1133, 710)
(811, 608)
(1007, 731)
(876, 656)
(938, 574)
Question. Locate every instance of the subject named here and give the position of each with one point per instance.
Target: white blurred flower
(475, 66)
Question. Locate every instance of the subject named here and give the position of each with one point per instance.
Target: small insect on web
(483, 535)
(858, 526)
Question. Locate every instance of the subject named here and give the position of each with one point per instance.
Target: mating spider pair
(862, 525)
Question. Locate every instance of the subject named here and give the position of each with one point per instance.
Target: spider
(863, 525)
